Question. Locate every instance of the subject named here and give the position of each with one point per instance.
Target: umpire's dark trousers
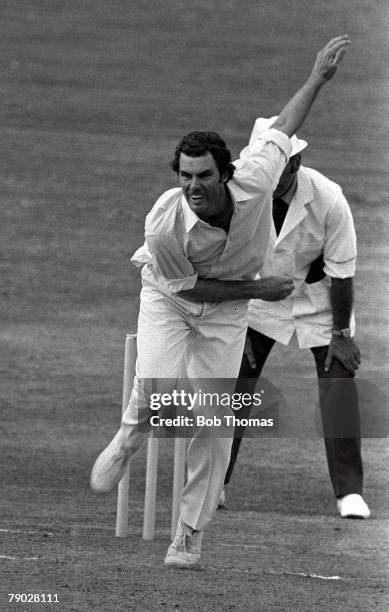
(339, 412)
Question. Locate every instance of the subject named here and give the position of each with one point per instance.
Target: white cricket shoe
(109, 467)
(353, 506)
(185, 550)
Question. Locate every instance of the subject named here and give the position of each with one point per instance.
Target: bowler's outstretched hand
(328, 59)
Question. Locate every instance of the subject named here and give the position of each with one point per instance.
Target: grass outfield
(94, 97)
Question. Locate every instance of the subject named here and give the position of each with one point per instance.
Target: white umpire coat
(318, 221)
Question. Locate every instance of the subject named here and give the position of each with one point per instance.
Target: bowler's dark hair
(196, 144)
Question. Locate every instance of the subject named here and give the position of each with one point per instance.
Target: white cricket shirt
(179, 247)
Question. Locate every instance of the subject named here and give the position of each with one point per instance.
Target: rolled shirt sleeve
(162, 255)
(141, 257)
(176, 272)
(264, 159)
(340, 248)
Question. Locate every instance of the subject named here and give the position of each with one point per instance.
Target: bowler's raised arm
(296, 110)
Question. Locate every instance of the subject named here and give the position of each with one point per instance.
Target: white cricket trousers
(203, 341)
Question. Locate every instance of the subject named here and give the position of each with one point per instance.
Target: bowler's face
(202, 185)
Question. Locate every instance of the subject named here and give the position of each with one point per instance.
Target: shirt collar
(304, 191)
(288, 195)
(301, 191)
(190, 217)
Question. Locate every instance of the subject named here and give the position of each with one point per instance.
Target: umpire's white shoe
(109, 467)
(353, 506)
(185, 550)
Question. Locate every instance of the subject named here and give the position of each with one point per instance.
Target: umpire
(313, 240)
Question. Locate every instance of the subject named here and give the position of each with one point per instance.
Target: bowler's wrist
(316, 80)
